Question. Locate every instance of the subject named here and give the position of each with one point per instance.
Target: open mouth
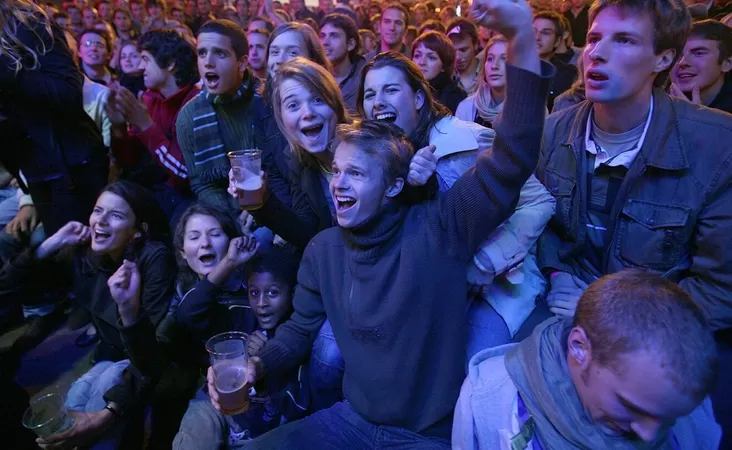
(312, 131)
(265, 317)
(101, 235)
(686, 76)
(211, 78)
(207, 259)
(386, 117)
(344, 203)
(596, 76)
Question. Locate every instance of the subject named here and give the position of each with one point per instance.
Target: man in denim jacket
(641, 179)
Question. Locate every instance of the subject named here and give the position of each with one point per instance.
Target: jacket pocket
(561, 187)
(652, 235)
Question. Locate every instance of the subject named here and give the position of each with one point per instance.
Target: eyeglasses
(97, 44)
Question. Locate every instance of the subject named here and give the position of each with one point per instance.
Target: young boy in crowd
(702, 73)
(272, 277)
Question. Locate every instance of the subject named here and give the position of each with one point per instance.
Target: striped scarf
(210, 154)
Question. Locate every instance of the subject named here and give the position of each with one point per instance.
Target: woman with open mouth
(121, 270)
(503, 275)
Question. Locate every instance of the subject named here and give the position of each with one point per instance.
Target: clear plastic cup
(228, 354)
(246, 166)
(47, 416)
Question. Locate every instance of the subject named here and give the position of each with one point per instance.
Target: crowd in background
(490, 224)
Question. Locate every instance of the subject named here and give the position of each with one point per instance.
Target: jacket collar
(663, 147)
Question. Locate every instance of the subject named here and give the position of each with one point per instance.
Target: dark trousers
(70, 197)
(340, 427)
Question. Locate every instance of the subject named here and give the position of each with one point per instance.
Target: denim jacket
(505, 265)
(672, 213)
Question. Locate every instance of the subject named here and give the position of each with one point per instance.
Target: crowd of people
(483, 224)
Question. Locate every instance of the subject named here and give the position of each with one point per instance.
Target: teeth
(345, 199)
(385, 116)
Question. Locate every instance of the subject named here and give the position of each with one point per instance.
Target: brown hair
(431, 111)
(316, 78)
(431, 25)
(671, 24)
(440, 44)
(634, 310)
(382, 140)
(15, 13)
(714, 30)
(398, 6)
(461, 28)
(349, 28)
(309, 36)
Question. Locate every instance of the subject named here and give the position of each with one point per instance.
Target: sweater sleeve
(297, 225)
(197, 310)
(164, 151)
(485, 195)
(293, 342)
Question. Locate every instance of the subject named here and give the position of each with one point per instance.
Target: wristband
(111, 409)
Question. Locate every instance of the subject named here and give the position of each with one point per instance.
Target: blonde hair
(317, 79)
(482, 82)
(17, 13)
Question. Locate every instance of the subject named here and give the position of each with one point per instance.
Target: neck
(498, 95)
(547, 56)
(386, 47)
(562, 48)
(622, 116)
(170, 88)
(470, 70)
(124, 35)
(710, 93)
(342, 69)
(577, 11)
(99, 72)
(261, 73)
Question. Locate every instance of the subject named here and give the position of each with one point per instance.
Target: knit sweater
(394, 288)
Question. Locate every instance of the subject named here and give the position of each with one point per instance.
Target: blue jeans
(340, 427)
(326, 369)
(486, 328)
(87, 392)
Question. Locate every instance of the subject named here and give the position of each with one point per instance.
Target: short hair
(554, 18)
(349, 27)
(168, 47)
(230, 29)
(163, 5)
(461, 28)
(714, 30)
(671, 24)
(382, 140)
(633, 310)
(566, 25)
(440, 44)
(312, 23)
(394, 5)
(280, 262)
(267, 22)
(320, 80)
(431, 25)
(101, 33)
(60, 15)
(263, 31)
(430, 112)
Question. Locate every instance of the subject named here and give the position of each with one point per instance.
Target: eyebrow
(696, 49)
(634, 407)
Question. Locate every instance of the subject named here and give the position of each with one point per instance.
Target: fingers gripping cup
(47, 416)
(228, 353)
(246, 166)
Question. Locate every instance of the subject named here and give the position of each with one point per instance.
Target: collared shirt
(624, 158)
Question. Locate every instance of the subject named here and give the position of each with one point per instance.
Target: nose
(260, 300)
(208, 60)
(684, 61)
(307, 111)
(646, 428)
(598, 52)
(496, 64)
(379, 101)
(205, 241)
(339, 182)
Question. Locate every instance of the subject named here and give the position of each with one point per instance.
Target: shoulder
(487, 370)
(186, 112)
(156, 256)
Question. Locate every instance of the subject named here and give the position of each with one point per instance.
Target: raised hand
(134, 110)
(73, 233)
(508, 17)
(241, 250)
(422, 166)
(125, 286)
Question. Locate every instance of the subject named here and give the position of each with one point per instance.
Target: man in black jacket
(392, 277)
(549, 32)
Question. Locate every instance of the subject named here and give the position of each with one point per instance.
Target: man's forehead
(618, 19)
(206, 40)
(698, 42)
